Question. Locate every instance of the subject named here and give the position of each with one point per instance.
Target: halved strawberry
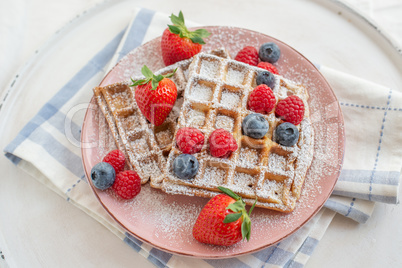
(155, 95)
(224, 220)
(178, 43)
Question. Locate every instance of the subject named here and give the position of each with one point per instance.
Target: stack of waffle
(212, 93)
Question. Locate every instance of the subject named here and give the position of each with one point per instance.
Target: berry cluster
(264, 58)
(110, 173)
(290, 110)
(190, 141)
(262, 99)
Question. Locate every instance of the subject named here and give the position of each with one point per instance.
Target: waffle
(145, 146)
(216, 97)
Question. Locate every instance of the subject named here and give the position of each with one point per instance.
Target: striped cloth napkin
(370, 174)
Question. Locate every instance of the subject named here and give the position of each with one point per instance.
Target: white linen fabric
(370, 174)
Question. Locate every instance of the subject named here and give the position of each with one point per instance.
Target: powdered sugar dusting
(172, 218)
(230, 99)
(164, 137)
(225, 122)
(209, 69)
(196, 118)
(201, 92)
(234, 76)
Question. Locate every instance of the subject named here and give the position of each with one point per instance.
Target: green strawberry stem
(179, 27)
(150, 77)
(239, 207)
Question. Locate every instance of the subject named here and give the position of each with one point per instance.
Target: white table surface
(24, 26)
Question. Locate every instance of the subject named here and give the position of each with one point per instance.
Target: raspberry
(189, 140)
(117, 159)
(127, 184)
(262, 99)
(268, 66)
(248, 55)
(221, 143)
(290, 110)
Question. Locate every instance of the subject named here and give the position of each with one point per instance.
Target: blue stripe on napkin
(309, 245)
(158, 257)
(133, 242)
(232, 263)
(364, 176)
(137, 31)
(348, 211)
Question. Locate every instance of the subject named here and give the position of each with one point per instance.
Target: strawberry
(224, 220)
(178, 43)
(155, 95)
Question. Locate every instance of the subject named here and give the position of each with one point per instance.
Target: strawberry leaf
(170, 74)
(138, 82)
(181, 17)
(146, 72)
(232, 217)
(202, 33)
(179, 28)
(252, 207)
(154, 84)
(197, 40)
(174, 29)
(158, 78)
(246, 228)
(177, 20)
(150, 77)
(229, 193)
(237, 206)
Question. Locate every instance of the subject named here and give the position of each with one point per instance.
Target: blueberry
(103, 175)
(266, 78)
(185, 166)
(255, 126)
(286, 134)
(269, 52)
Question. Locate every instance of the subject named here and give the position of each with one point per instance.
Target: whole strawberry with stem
(155, 95)
(178, 43)
(224, 220)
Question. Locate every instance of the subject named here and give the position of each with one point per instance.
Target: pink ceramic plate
(165, 221)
